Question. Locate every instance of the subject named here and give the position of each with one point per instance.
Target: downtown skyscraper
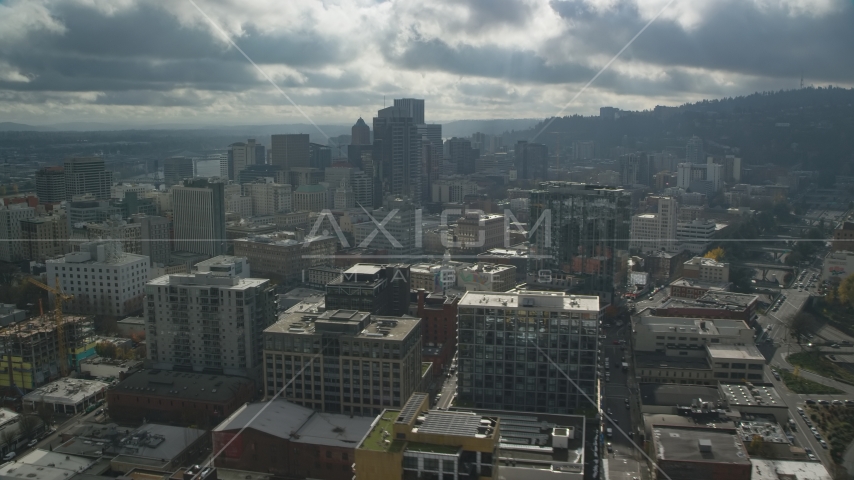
(397, 154)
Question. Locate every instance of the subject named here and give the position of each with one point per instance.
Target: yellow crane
(59, 297)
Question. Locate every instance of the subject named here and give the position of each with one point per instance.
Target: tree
(716, 254)
(846, 291)
(28, 424)
(106, 349)
(45, 413)
(7, 436)
(801, 325)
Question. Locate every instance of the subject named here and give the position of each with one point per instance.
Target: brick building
(180, 397)
(290, 441)
(438, 314)
(843, 237)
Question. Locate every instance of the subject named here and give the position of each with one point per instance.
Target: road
(449, 389)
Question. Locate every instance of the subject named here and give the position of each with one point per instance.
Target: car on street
(776, 375)
(823, 402)
(32, 443)
(610, 448)
(609, 432)
(812, 457)
(837, 402)
(823, 443)
(9, 456)
(809, 401)
(800, 410)
(849, 403)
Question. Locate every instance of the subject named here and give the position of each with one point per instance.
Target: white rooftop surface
(735, 352)
(716, 326)
(124, 259)
(206, 279)
(736, 394)
(541, 300)
(175, 441)
(66, 391)
(777, 469)
(34, 466)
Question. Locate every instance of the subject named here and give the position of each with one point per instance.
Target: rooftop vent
(705, 445)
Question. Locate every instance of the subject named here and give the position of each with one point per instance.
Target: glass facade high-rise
(583, 232)
(513, 346)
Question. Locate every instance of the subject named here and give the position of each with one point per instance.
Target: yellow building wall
(378, 465)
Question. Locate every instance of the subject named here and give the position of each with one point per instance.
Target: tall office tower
(486, 143)
(397, 153)
(156, 237)
(589, 226)
(290, 150)
(527, 372)
(87, 175)
(349, 343)
(355, 153)
(655, 232)
(694, 150)
(319, 156)
(105, 280)
(178, 169)
(532, 161)
(433, 132)
(463, 156)
(11, 244)
(705, 178)
(357, 180)
(268, 198)
(412, 107)
(50, 184)
(629, 169)
(208, 321)
(360, 134)
(199, 217)
(241, 155)
(431, 166)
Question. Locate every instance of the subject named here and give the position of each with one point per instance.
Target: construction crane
(59, 297)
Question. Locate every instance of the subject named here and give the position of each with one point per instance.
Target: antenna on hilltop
(802, 79)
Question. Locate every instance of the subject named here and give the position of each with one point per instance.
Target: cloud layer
(156, 61)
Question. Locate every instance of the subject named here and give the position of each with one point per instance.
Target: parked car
(837, 402)
(776, 375)
(812, 457)
(823, 402)
(9, 456)
(32, 443)
(809, 401)
(823, 443)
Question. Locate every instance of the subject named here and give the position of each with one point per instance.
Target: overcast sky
(153, 61)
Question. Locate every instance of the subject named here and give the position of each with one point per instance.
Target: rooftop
(768, 429)
(660, 360)
(207, 278)
(696, 444)
(283, 239)
(692, 282)
(735, 352)
(748, 394)
(348, 322)
(662, 394)
(67, 391)
(378, 438)
(182, 385)
(787, 470)
(555, 301)
(695, 326)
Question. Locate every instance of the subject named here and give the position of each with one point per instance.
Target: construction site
(37, 351)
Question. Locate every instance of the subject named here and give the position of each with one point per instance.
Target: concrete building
(118, 191)
(223, 335)
(128, 234)
(400, 221)
(108, 368)
(242, 155)
(360, 133)
(290, 150)
(227, 265)
(11, 244)
(695, 236)
(476, 233)
(67, 395)
(377, 289)
(87, 175)
(178, 169)
(843, 237)
(837, 266)
(694, 150)
(656, 231)
(269, 198)
(155, 236)
(589, 226)
(103, 279)
(679, 336)
(45, 237)
(411, 107)
(286, 254)
(736, 363)
(296, 441)
(706, 269)
(705, 178)
(343, 379)
(181, 397)
(689, 288)
(311, 198)
(700, 453)
(453, 189)
(438, 314)
(199, 217)
(714, 304)
(50, 184)
(532, 161)
(572, 324)
(397, 151)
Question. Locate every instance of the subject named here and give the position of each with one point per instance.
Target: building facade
(87, 175)
(50, 184)
(11, 245)
(199, 217)
(503, 369)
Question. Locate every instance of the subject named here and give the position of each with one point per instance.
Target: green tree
(846, 291)
(801, 325)
(28, 424)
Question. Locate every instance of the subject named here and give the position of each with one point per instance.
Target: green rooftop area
(375, 441)
(430, 448)
(424, 367)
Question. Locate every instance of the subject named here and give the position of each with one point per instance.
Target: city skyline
(515, 59)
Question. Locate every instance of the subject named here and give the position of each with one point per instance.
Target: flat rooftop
(381, 428)
(787, 470)
(663, 394)
(736, 394)
(66, 391)
(685, 444)
(692, 326)
(282, 239)
(694, 283)
(660, 360)
(345, 322)
(207, 279)
(768, 429)
(181, 385)
(541, 300)
(735, 352)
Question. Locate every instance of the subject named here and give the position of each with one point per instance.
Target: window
(410, 463)
(431, 464)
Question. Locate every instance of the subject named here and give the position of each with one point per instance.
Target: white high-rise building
(11, 246)
(653, 232)
(706, 178)
(208, 321)
(694, 150)
(695, 236)
(103, 279)
(199, 217)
